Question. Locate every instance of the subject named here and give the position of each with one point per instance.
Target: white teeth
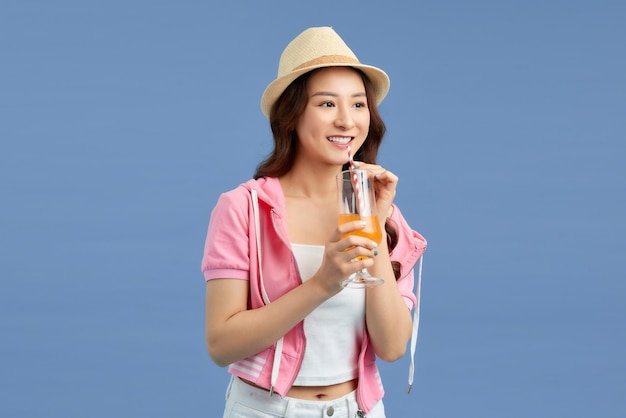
(339, 140)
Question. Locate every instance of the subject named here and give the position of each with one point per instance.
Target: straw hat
(318, 48)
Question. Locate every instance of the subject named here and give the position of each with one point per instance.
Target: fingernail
(374, 245)
(375, 253)
(362, 223)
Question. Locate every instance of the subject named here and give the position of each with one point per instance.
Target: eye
(327, 104)
(360, 105)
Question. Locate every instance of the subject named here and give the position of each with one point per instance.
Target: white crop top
(334, 330)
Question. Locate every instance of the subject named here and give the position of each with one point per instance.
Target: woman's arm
(388, 319)
(233, 332)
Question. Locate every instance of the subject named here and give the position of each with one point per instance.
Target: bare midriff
(318, 393)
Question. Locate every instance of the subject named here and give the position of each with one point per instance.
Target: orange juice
(371, 229)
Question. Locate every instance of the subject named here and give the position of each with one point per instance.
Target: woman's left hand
(385, 183)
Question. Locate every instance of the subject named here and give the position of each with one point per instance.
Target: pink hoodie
(232, 251)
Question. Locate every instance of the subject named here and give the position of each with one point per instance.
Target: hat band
(328, 59)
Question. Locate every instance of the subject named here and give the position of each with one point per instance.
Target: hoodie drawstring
(416, 321)
(278, 353)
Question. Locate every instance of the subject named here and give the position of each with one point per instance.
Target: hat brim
(380, 81)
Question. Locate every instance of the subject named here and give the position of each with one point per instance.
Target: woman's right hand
(343, 255)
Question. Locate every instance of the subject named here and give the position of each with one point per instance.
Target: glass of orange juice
(357, 203)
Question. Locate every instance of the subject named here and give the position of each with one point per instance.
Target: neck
(304, 182)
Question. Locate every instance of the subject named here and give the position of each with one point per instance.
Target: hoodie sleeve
(410, 247)
(226, 249)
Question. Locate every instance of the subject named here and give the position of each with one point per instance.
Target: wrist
(323, 289)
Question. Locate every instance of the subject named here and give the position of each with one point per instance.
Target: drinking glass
(357, 203)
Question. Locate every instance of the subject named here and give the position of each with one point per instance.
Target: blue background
(122, 121)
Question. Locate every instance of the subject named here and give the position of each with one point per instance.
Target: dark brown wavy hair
(284, 116)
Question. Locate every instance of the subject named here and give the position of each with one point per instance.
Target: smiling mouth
(341, 140)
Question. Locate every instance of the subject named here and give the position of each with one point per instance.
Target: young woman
(297, 343)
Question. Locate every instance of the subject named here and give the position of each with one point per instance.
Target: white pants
(246, 401)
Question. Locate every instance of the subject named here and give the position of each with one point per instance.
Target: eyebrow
(327, 93)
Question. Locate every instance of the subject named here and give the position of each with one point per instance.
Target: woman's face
(336, 116)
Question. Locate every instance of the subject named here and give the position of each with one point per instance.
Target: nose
(344, 119)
